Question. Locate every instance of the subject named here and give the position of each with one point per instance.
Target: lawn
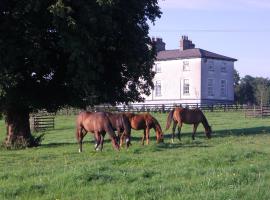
(234, 164)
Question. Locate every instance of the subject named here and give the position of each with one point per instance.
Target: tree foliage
(73, 52)
(252, 90)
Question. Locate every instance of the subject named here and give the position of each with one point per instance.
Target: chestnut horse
(188, 116)
(96, 123)
(145, 121)
(120, 123)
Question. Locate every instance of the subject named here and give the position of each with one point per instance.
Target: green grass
(234, 164)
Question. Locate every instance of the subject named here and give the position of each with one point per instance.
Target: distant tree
(236, 78)
(245, 90)
(68, 52)
(262, 91)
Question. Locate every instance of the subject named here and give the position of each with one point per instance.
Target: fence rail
(42, 121)
(258, 112)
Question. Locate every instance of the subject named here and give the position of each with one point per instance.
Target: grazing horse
(187, 116)
(146, 122)
(96, 123)
(120, 123)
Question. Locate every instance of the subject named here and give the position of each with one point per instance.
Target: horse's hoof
(80, 151)
(172, 141)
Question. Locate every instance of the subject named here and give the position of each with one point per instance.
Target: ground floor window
(186, 87)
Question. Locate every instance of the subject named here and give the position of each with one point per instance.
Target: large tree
(55, 53)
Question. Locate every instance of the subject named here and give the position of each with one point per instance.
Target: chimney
(185, 43)
(159, 44)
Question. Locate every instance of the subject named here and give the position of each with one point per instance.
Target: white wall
(217, 76)
(172, 81)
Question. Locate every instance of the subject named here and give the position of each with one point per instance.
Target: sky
(235, 28)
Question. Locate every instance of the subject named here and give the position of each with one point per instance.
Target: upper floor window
(211, 67)
(186, 87)
(158, 88)
(223, 68)
(158, 67)
(223, 88)
(186, 66)
(210, 87)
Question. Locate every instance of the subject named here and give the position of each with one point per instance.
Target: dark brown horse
(146, 122)
(120, 123)
(97, 123)
(188, 116)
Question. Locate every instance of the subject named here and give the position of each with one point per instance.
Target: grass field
(234, 164)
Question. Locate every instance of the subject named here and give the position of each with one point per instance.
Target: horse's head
(159, 135)
(208, 132)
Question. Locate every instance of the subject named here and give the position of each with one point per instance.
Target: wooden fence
(42, 121)
(257, 111)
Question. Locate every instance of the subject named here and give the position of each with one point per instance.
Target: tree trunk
(18, 129)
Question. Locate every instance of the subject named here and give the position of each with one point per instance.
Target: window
(210, 87)
(223, 88)
(158, 88)
(158, 67)
(224, 68)
(186, 87)
(211, 67)
(186, 66)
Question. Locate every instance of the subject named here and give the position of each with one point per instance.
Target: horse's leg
(179, 130)
(102, 141)
(120, 137)
(80, 136)
(98, 140)
(195, 126)
(173, 130)
(144, 135)
(147, 135)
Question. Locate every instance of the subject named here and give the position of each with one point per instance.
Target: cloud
(215, 4)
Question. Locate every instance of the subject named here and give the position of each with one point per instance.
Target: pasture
(234, 164)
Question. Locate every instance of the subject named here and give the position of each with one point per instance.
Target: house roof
(190, 53)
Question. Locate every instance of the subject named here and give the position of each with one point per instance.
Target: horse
(97, 123)
(188, 116)
(146, 122)
(120, 123)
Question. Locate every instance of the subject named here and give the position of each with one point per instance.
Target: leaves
(70, 52)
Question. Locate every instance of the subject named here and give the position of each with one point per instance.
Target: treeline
(251, 90)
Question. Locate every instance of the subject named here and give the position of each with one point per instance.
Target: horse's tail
(169, 119)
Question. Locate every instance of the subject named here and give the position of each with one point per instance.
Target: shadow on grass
(167, 137)
(226, 133)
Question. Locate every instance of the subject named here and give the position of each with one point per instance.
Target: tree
(245, 90)
(55, 53)
(262, 92)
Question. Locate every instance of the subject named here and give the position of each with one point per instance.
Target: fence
(257, 111)
(154, 108)
(42, 121)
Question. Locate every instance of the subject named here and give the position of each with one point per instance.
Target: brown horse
(120, 123)
(96, 123)
(146, 122)
(188, 116)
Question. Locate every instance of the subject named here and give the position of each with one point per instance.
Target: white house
(191, 75)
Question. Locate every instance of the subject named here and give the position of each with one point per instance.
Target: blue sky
(234, 28)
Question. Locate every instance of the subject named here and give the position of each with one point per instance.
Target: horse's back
(94, 121)
(191, 116)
